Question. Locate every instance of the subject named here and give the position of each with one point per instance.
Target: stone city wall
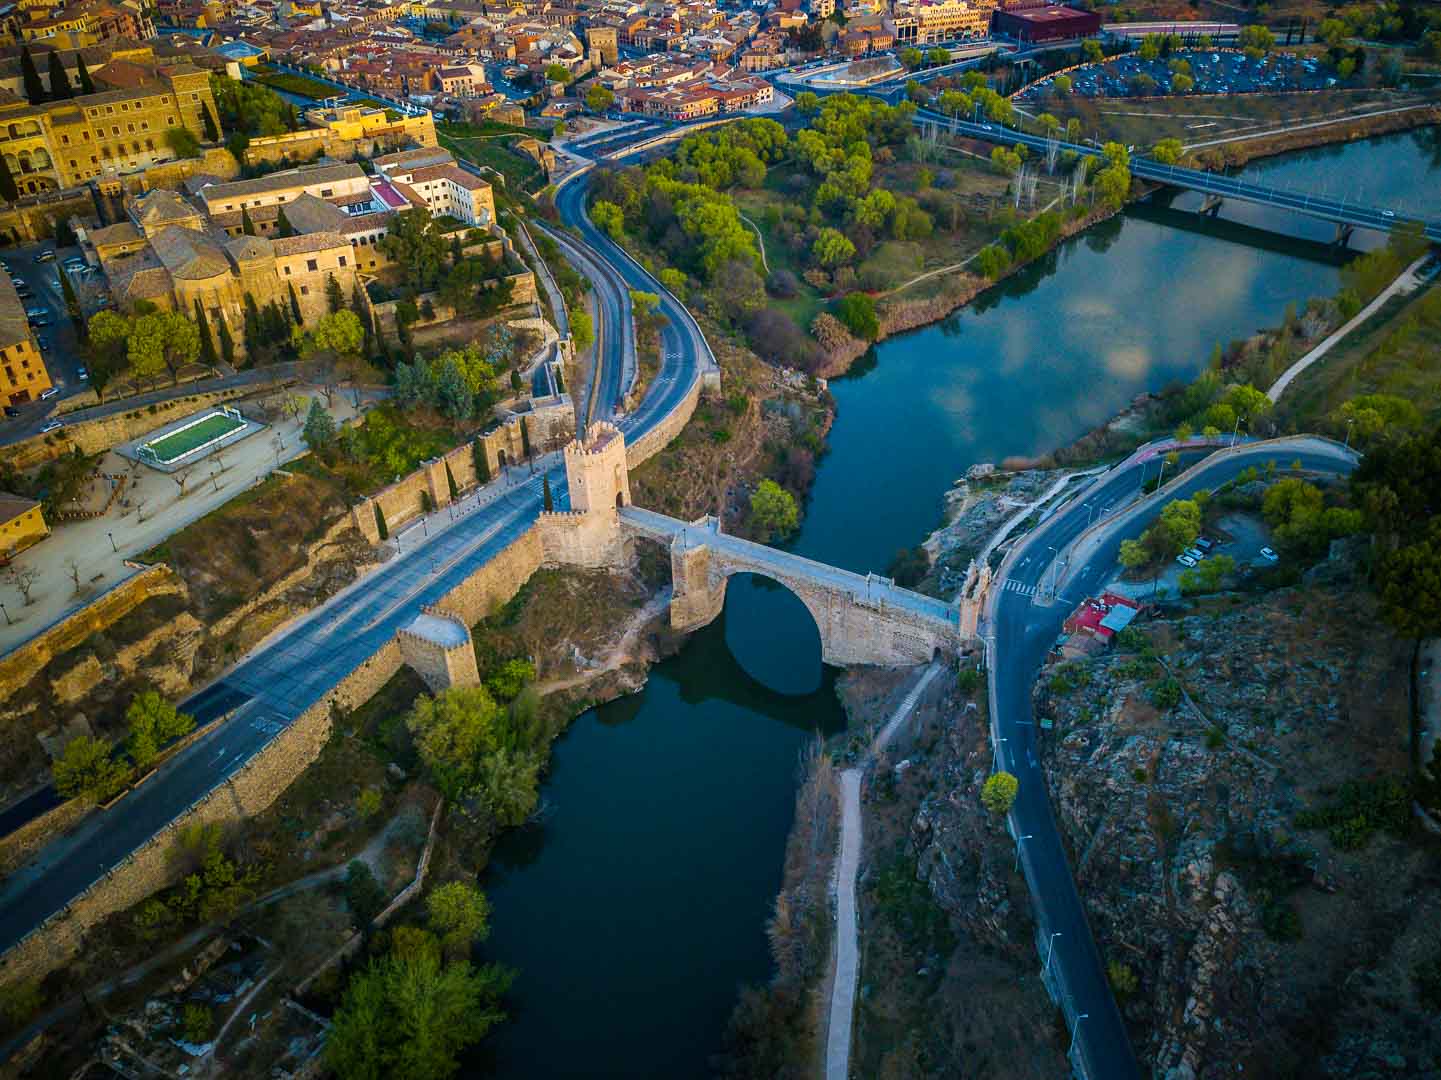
(655, 440)
(34, 216)
(522, 292)
(551, 421)
(593, 541)
(21, 666)
(261, 780)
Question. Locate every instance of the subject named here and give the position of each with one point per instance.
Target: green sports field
(177, 444)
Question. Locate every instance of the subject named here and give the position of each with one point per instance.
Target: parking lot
(59, 344)
(1213, 72)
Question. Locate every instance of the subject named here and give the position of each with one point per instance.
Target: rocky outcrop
(1180, 766)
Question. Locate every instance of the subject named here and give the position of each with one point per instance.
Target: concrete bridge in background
(1346, 215)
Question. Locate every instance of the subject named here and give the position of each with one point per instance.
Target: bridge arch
(773, 632)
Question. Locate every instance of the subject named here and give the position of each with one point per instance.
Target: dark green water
(638, 908)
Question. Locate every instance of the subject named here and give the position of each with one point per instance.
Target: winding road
(1021, 632)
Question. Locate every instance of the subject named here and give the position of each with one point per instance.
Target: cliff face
(1244, 936)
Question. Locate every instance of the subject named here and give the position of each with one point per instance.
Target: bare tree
(73, 569)
(182, 477)
(23, 578)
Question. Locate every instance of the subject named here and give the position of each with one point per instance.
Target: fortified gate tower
(598, 481)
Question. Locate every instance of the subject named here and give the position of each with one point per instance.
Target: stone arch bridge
(862, 618)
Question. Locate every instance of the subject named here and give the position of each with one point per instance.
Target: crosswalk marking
(1015, 586)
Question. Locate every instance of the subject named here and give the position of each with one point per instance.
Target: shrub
(999, 792)
(1166, 694)
(857, 312)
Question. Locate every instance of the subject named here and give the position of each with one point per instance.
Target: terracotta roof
(316, 241)
(280, 181)
(189, 255)
(122, 233)
(307, 214)
(246, 248)
(14, 326)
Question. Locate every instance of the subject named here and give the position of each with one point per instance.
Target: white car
(1269, 555)
(1196, 553)
(1185, 560)
(51, 425)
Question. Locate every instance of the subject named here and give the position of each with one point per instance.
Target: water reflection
(772, 635)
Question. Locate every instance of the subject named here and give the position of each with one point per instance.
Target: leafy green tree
(339, 334)
(992, 261)
(832, 248)
(773, 510)
(86, 768)
(1182, 84)
(182, 142)
(808, 103)
(675, 281)
(999, 792)
(912, 58)
(507, 681)
(857, 312)
(1256, 41)
(153, 721)
(159, 341)
(363, 894)
(938, 57)
(459, 914)
(599, 98)
(581, 328)
(1168, 151)
(1373, 414)
(1091, 49)
(414, 241)
(334, 297)
(409, 1014)
(1133, 554)
(1062, 85)
(557, 73)
(319, 431)
(211, 128)
(1178, 527)
(608, 218)
(1006, 160)
(1113, 184)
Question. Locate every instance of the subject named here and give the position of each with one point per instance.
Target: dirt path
(847, 957)
(762, 239)
(1340, 118)
(1406, 281)
(620, 652)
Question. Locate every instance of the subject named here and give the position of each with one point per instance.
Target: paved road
(297, 666)
(1023, 632)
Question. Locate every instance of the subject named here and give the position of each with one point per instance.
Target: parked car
(1204, 544)
(81, 373)
(43, 342)
(1269, 555)
(50, 425)
(11, 410)
(75, 263)
(1185, 560)
(1196, 553)
(44, 255)
(43, 319)
(49, 393)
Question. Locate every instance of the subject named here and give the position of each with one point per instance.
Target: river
(638, 908)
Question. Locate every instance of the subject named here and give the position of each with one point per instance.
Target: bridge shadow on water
(771, 635)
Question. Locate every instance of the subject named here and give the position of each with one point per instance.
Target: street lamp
(113, 548)
(7, 615)
(1074, 1032)
(1348, 432)
(1236, 430)
(1026, 836)
(1050, 948)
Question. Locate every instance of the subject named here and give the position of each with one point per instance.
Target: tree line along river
(638, 908)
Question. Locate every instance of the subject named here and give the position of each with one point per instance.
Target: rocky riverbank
(1232, 783)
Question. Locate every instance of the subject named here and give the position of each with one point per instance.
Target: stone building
(23, 376)
(116, 130)
(22, 524)
(170, 255)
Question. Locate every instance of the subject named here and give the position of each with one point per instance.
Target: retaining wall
(21, 666)
(655, 440)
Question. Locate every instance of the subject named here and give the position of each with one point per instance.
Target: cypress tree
(8, 191)
(212, 129)
(253, 339)
(334, 298)
(524, 438)
(560, 380)
(247, 227)
(294, 300)
(380, 522)
(227, 344)
(207, 344)
(482, 466)
(34, 88)
(549, 503)
(82, 76)
(361, 309)
(286, 229)
(60, 89)
(72, 305)
(450, 482)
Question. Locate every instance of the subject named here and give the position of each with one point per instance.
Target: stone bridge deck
(862, 618)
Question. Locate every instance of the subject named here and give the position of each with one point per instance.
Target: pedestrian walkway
(843, 986)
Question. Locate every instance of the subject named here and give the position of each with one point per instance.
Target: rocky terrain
(949, 984)
(1233, 780)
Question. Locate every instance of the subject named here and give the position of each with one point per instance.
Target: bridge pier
(1211, 205)
(1343, 234)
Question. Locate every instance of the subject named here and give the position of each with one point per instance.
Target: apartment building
(927, 22)
(23, 376)
(62, 144)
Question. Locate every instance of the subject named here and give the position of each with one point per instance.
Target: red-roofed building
(1103, 618)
